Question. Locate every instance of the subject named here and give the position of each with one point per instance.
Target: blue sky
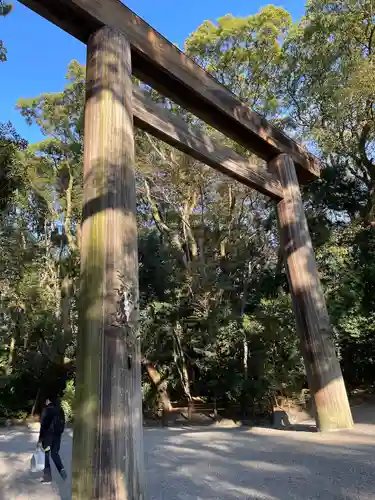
(39, 52)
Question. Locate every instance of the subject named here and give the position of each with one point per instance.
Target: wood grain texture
(159, 63)
(323, 370)
(107, 446)
(173, 130)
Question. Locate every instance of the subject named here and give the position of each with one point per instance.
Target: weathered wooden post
(108, 437)
(323, 370)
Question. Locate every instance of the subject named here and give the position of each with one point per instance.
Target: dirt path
(225, 464)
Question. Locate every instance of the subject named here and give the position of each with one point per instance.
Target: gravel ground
(226, 464)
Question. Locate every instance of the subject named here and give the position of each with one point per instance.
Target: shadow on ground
(225, 464)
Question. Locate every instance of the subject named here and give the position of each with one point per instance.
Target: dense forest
(216, 316)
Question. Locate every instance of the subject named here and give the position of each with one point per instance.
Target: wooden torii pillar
(313, 324)
(108, 434)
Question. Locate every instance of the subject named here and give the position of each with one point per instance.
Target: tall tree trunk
(162, 389)
(18, 316)
(11, 355)
(36, 404)
(68, 212)
(245, 359)
(108, 435)
(180, 361)
(65, 336)
(369, 218)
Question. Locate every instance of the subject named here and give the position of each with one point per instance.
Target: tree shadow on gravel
(226, 464)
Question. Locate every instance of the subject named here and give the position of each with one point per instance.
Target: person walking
(52, 424)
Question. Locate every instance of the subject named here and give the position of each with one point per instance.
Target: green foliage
(328, 79)
(11, 169)
(244, 54)
(348, 275)
(40, 259)
(5, 9)
(67, 401)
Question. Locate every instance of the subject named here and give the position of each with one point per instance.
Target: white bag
(37, 460)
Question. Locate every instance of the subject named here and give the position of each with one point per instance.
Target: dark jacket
(50, 425)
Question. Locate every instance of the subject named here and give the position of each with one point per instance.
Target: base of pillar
(332, 407)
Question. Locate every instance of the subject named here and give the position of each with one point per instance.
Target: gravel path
(225, 464)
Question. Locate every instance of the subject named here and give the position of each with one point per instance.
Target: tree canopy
(5, 9)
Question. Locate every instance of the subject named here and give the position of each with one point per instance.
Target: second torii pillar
(313, 324)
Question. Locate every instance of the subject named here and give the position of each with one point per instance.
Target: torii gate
(108, 449)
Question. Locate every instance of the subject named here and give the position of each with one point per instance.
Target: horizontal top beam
(161, 123)
(160, 64)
